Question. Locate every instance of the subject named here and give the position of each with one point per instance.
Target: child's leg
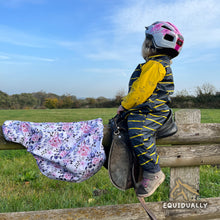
(142, 128)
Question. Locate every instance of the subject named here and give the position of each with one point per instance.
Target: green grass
(57, 115)
(24, 188)
(210, 115)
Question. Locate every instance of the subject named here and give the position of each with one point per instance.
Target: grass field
(24, 188)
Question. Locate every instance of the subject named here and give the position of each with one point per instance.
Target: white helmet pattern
(166, 37)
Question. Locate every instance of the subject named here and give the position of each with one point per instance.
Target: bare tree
(118, 97)
(205, 89)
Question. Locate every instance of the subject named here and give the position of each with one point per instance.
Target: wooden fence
(193, 145)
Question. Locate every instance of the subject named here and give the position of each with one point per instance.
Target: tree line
(205, 97)
(43, 100)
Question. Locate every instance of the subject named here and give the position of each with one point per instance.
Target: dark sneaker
(150, 183)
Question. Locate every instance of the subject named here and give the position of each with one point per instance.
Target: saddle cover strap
(143, 203)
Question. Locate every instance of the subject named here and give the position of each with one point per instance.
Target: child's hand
(120, 109)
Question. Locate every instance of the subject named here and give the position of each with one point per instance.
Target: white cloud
(3, 57)
(70, 45)
(20, 38)
(197, 20)
(25, 38)
(44, 59)
(18, 58)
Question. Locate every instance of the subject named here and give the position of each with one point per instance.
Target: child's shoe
(150, 182)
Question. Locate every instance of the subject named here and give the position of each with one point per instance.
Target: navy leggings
(141, 129)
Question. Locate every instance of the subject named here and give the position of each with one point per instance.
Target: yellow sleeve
(151, 73)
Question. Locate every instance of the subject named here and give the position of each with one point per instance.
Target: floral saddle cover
(69, 151)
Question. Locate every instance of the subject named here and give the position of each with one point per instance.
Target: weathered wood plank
(187, 174)
(111, 212)
(194, 134)
(123, 212)
(189, 155)
(190, 116)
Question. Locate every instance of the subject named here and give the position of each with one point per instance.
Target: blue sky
(89, 48)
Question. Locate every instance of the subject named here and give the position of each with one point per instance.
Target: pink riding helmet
(166, 37)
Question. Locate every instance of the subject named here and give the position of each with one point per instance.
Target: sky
(89, 48)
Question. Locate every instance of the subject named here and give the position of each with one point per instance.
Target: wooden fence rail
(193, 145)
(121, 212)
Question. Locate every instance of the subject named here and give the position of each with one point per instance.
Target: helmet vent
(168, 37)
(166, 27)
(179, 42)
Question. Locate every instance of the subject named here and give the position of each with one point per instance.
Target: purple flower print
(24, 127)
(55, 141)
(84, 151)
(63, 153)
(36, 137)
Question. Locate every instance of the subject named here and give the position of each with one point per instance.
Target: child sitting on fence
(146, 103)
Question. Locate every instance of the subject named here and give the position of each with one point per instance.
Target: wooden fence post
(184, 181)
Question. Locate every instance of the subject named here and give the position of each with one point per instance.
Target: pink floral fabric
(70, 151)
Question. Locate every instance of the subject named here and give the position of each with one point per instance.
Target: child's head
(162, 38)
(148, 48)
